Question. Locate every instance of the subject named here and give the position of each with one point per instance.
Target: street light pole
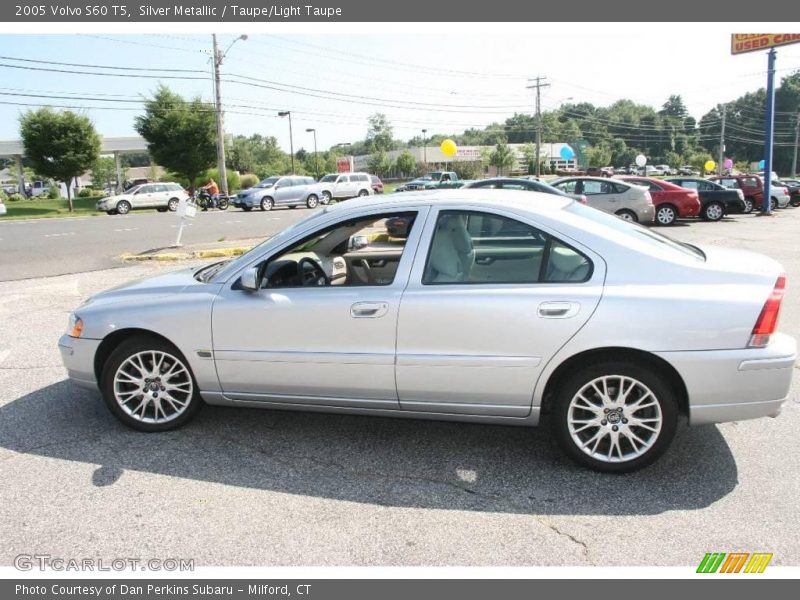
(316, 160)
(218, 57)
(425, 146)
(288, 113)
(796, 144)
(722, 139)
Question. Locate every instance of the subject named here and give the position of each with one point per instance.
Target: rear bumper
(733, 385)
(77, 354)
(646, 214)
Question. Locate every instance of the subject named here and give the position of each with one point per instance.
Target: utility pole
(288, 113)
(223, 176)
(796, 144)
(538, 85)
(316, 161)
(722, 140)
(425, 146)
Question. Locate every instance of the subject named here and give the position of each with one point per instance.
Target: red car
(377, 184)
(671, 201)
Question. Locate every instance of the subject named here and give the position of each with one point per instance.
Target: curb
(174, 256)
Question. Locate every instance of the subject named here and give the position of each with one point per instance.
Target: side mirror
(249, 280)
(357, 242)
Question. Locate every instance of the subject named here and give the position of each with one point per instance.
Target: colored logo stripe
(758, 562)
(734, 562)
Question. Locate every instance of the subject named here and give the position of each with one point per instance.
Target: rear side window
(470, 247)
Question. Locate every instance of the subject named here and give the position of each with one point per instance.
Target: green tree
(406, 163)
(104, 172)
(181, 134)
(61, 145)
(502, 157)
(379, 163)
(599, 155)
(379, 134)
(529, 152)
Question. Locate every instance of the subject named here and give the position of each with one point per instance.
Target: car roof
(515, 199)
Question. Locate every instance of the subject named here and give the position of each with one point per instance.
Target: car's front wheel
(312, 201)
(748, 206)
(614, 416)
(123, 207)
(147, 384)
(266, 203)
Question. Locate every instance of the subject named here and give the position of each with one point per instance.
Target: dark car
(531, 185)
(793, 185)
(599, 171)
(716, 200)
(377, 184)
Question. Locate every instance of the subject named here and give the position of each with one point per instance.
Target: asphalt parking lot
(249, 487)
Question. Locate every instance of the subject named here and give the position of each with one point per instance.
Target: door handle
(369, 310)
(558, 310)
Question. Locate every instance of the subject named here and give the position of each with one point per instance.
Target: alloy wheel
(614, 419)
(153, 387)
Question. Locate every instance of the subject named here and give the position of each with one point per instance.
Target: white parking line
(48, 235)
(127, 229)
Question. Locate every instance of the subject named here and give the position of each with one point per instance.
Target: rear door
(490, 300)
(603, 195)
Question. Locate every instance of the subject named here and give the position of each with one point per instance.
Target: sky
(333, 79)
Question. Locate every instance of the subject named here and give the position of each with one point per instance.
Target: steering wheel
(314, 275)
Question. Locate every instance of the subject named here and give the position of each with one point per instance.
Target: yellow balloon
(710, 165)
(448, 147)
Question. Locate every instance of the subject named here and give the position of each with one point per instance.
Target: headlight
(75, 326)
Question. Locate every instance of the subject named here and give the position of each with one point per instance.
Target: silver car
(468, 305)
(627, 201)
(161, 196)
(273, 192)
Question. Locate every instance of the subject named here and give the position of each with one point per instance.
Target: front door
(490, 300)
(321, 328)
(284, 191)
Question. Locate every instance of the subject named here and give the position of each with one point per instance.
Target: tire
(122, 384)
(266, 203)
(573, 434)
(713, 211)
(312, 201)
(666, 215)
(773, 204)
(111, 212)
(748, 206)
(123, 207)
(325, 198)
(247, 208)
(363, 193)
(161, 209)
(172, 205)
(795, 202)
(627, 215)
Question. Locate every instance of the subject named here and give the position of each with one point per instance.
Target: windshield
(658, 241)
(328, 178)
(132, 190)
(268, 182)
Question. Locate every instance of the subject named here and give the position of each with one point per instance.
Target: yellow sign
(752, 42)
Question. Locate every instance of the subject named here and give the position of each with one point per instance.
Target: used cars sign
(750, 42)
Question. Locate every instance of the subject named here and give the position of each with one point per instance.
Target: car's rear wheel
(266, 203)
(627, 215)
(172, 205)
(773, 204)
(123, 207)
(666, 215)
(615, 416)
(147, 384)
(713, 211)
(795, 201)
(312, 201)
(363, 193)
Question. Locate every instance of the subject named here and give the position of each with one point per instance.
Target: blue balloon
(567, 153)
(762, 163)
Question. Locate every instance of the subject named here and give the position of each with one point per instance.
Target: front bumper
(734, 385)
(78, 354)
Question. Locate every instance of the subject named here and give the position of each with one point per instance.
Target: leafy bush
(3, 195)
(233, 179)
(85, 193)
(16, 198)
(53, 192)
(248, 180)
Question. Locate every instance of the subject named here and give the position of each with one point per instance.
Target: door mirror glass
(249, 280)
(357, 242)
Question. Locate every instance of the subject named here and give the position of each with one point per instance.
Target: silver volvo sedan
(488, 306)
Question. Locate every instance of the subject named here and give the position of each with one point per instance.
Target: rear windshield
(658, 241)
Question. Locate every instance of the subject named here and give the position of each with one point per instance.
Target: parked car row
(292, 191)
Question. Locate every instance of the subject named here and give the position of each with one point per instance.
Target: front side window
(470, 247)
(357, 252)
(593, 187)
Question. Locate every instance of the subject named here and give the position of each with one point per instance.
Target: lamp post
(316, 161)
(425, 146)
(288, 113)
(218, 57)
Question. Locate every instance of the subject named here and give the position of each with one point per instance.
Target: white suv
(341, 186)
(161, 196)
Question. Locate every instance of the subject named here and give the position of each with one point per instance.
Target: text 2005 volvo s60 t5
(475, 305)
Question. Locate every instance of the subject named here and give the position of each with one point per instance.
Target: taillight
(768, 319)
(583, 199)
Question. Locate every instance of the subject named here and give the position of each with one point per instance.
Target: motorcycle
(204, 201)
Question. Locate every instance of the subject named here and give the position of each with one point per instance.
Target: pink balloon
(728, 163)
